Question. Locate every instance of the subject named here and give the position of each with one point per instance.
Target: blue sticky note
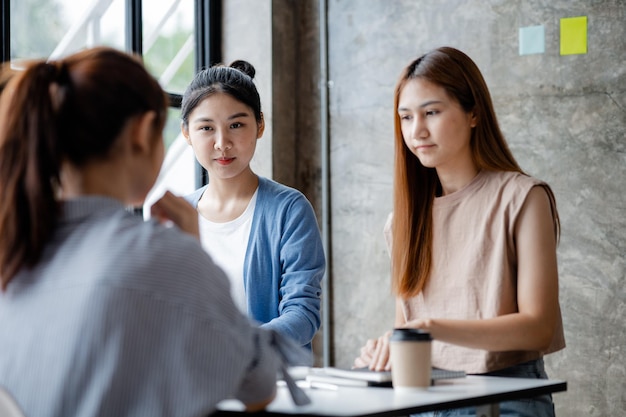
(532, 40)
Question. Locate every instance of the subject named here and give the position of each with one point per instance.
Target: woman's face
(223, 133)
(434, 126)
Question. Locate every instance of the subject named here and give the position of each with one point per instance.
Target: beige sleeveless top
(474, 270)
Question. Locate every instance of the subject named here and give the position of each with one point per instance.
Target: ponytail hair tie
(58, 72)
(60, 81)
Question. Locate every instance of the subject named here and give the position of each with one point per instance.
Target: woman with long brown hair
(472, 237)
(103, 314)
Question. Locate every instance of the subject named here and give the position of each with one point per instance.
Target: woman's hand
(171, 208)
(367, 352)
(260, 406)
(375, 354)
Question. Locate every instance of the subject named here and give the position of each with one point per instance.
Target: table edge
(556, 386)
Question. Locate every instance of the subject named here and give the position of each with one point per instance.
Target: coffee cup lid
(407, 334)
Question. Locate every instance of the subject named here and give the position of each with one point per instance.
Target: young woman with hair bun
(263, 234)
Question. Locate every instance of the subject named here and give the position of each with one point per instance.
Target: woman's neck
(226, 199)
(452, 180)
(106, 179)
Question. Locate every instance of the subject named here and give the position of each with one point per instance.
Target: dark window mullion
(208, 35)
(134, 27)
(5, 30)
(134, 44)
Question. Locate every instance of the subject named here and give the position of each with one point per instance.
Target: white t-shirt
(227, 244)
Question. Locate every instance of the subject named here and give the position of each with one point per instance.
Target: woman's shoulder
(277, 193)
(511, 180)
(125, 252)
(165, 237)
(159, 254)
(270, 186)
(284, 203)
(153, 243)
(513, 188)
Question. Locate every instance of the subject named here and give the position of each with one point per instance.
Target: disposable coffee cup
(410, 352)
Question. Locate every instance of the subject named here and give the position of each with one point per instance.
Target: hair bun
(244, 66)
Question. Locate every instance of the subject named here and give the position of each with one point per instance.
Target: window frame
(207, 34)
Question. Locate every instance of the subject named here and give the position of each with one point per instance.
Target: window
(173, 37)
(55, 28)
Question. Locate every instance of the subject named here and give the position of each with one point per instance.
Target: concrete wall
(248, 36)
(564, 117)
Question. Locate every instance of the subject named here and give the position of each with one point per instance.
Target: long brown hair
(70, 110)
(415, 186)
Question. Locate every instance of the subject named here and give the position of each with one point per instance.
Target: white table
(483, 392)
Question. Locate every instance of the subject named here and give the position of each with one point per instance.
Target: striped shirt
(123, 317)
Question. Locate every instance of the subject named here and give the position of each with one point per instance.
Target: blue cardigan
(284, 262)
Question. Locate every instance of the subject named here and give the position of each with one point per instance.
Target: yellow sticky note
(574, 35)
